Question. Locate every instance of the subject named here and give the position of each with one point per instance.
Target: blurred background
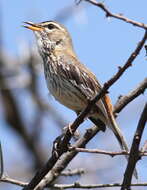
(30, 119)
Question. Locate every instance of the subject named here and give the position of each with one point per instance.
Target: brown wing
(82, 79)
(79, 76)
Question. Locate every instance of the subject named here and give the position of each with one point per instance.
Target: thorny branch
(12, 181)
(109, 153)
(74, 185)
(63, 147)
(134, 152)
(59, 167)
(117, 16)
(7, 179)
(92, 186)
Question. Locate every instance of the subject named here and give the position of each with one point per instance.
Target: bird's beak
(32, 26)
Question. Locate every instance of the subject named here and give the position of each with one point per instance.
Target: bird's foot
(56, 145)
(75, 134)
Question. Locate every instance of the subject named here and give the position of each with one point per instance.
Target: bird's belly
(68, 95)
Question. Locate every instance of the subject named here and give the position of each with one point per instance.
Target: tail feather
(117, 132)
(111, 122)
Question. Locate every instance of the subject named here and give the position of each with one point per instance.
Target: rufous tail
(116, 130)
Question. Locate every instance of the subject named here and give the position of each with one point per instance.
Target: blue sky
(102, 44)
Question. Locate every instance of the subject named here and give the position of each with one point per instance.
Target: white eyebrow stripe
(54, 23)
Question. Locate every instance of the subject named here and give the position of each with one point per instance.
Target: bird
(69, 81)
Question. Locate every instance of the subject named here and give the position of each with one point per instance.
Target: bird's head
(50, 36)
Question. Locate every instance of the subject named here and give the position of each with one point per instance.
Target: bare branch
(66, 158)
(109, 153)
(12, 181)
(67, 186)
(92, 186)
(134, 153)
(117, 16)
(63, 147)
(98, 151)
(124, 100)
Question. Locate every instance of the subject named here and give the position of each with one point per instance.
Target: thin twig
(117, 16)
(67, 137)
(109, 153)
(92, 186)
(74, 185)
(13, 181)
(7, 179)
(98, 151)
(124, 100)
(134, 152)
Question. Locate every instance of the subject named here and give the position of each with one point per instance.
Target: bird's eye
(51, 26)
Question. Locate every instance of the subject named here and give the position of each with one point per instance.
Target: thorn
(119, 67)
